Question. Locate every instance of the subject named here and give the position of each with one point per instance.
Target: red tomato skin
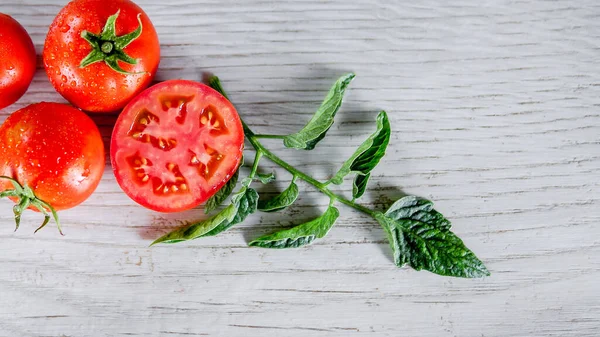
(17, 60)
(97, 87)
(55, 149)
(200, 190)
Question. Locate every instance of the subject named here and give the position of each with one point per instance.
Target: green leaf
(281, 201)
(411, 207)
(300, 235)
(265, 178)
(246, 202)
(198, 229)
(222, 194)
(243, 203)
(317, 127)
(421, 237)
(369, 153)
(360, 185)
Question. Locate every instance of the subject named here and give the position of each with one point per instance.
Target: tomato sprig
(419, 235)
(27, 198)
(108, 47)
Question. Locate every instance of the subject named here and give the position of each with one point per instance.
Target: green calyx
(108, 47)
(26, 199)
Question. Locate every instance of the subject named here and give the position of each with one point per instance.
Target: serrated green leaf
(421, 237)
(300, 235)
(281, 201)
(412, 207)
(198, 229)
(369, 153)
(265, 178)
(321, 122)
(222, 194)
(246, 205)
(242, 204)
(360, 185)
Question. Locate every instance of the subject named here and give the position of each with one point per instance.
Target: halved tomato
(175, 145)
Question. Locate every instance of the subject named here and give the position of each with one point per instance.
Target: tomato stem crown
(28, 198)
(108, 47)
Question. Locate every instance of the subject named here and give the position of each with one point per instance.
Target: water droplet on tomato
(10, 66)
(65, 28)
(63, 78)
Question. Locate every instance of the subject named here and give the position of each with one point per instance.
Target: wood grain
(494, 107)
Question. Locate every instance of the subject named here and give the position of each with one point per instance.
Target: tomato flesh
(55, 149)
(17, 60)
(175, 145)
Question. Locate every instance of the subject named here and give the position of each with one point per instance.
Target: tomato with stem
(175, 145)
(99, 54)
(51, 158)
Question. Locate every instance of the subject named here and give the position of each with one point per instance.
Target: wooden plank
(494, 107)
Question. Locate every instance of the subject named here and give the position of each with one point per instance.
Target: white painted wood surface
(494, 107)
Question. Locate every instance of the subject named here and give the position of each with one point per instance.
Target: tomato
(54, 149)
(17, 60)
(175, 145)
(99, 54)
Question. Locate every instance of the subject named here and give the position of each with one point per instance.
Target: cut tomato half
(175, 145)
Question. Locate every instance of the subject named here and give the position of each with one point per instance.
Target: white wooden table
(495, 111)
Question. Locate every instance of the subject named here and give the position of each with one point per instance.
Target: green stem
(270, 136)
(259, 154)
(261, 150)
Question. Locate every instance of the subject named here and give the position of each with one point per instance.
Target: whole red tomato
(17, 60)
(175, 145)
(54, 152)
(99, 54)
